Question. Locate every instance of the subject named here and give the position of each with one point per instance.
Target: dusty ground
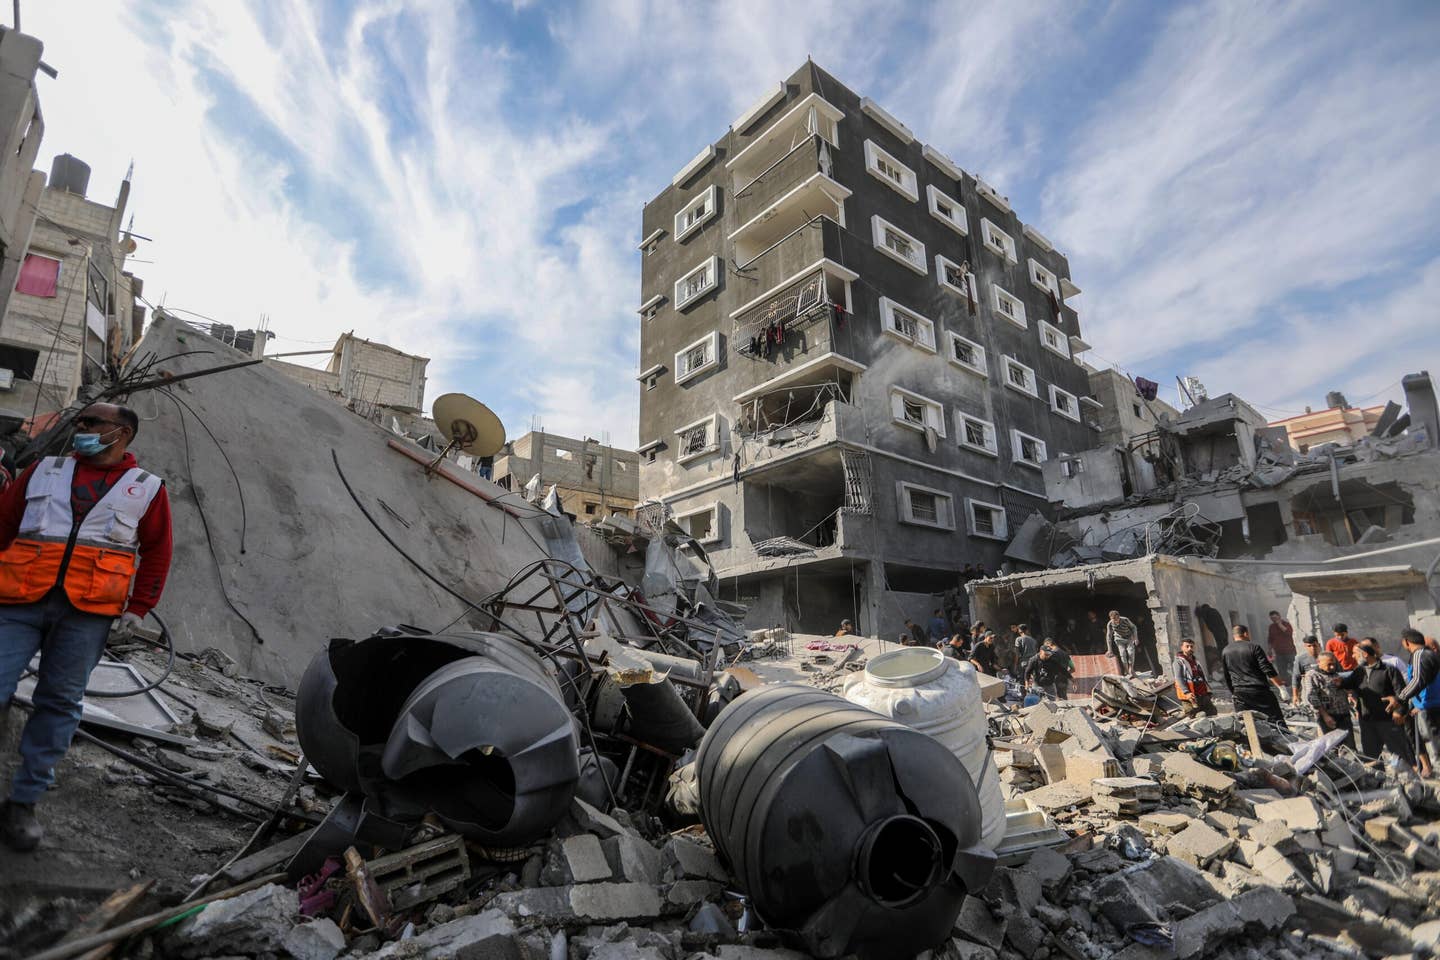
(109, 825)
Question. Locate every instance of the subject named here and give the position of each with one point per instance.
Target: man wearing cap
(84, 552)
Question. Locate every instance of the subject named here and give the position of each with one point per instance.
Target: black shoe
(18, 827)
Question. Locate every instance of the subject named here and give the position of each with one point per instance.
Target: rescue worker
(84, 552)
(1191, 686)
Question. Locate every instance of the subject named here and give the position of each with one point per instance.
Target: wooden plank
(261, 861)
(116, 908)
(1248, 718)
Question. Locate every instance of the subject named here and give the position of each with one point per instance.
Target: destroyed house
(593, 480)
(855, 359)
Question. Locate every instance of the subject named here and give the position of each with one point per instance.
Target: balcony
(817, 239)
(811, 156)
(812, 116)
(799, 194)
(796, 422)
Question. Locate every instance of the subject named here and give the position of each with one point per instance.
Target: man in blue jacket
(1423, 693)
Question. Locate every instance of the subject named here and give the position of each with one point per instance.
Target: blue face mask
(88, 444)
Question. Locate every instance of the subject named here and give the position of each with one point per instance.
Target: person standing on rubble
(1423, 691)
(1281, 643)
(1122, 638)
(84, 553)
(1249, 674)
(1342, 647)
(1327, 697)
(1304, 661)
(1377, 687)
(983, 656)
(1044, 672)
(1191, 686)
(1026, 647)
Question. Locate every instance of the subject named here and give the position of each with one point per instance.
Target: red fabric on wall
(39, 276)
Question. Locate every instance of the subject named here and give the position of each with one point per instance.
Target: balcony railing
(807, 158)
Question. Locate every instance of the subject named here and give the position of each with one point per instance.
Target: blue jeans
(70, 642)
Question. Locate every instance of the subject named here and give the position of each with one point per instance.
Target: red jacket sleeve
(155, 548)
(12, 507)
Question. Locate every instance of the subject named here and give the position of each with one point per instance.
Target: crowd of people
(1043, 667)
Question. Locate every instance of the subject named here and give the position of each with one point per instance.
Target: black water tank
(70, 174)
(849, 831)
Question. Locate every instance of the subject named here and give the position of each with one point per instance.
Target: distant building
(593, 479)
(366, 376)
(1339, 423)
(72, 315)
(22, 127)
(1123, 414)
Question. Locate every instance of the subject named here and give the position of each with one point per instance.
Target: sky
(1248, 193)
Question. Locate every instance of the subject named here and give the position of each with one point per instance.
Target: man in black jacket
(1249, 674)
(1377, 687)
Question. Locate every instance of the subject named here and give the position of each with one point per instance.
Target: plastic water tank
(938, 695)
(70, 174)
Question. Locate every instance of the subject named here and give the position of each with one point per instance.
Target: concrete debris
(251, 923)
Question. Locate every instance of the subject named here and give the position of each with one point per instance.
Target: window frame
(1001, 533)
(980, 369)
(941, 262)
(933, 196)
(713, 264)
(909, 187)
(878, 226)
(963, 419)
(1074, 415)
(1061, 351)
(938, 423)
(712, 508)
(1034, 388)
(1053, 286)
(1017, 447)
(888, 308)
(996, 292)
(713, 447)
(712, 340)
(705, 198)
(1006, 249)
(906, 512)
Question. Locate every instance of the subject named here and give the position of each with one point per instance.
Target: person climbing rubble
(1249, 674)
(1044, 673)
(1191, 686)
(1122, 638)
(1304, 660)
(86, 549)
(1327, 698)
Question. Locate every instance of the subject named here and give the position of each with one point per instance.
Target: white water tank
(938, 695)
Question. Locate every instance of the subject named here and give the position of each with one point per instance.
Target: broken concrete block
(1274, 833)
(683, 894)
(1199, 844)
(1060, 795)
(317, 940)
(711, 920)
(1271, 864)
(965, 950)
(1191, 777)
(1265, 906)
(448, 939)
(632, 859)
(1224, 822)
(590, 820)
(1090, 765)
(978, 924)
(1161, 823)
(1023, 932)
(577, 859)
(1014, 885)
(684, 859)
(588, 901)
(1153, 891)
(253, 922)
(1300, 813)
(1378, 828)
(1049, 866)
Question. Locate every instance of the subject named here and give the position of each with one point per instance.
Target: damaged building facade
(855, 359)
(1213, 519)
(593, 480)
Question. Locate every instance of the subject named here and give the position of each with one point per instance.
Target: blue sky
(1247, 192)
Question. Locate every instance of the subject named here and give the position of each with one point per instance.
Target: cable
(205, 523)
(239, 490)
(165, 675)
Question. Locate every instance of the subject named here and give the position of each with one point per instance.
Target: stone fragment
(449, 939)
(1023, 933)
(1058, 796)
(1277, 870)
(1162, 822)
(253, 922)
(1049, 865)
(1099, 860)
(317, 940)
(1299, 813)
(684, 894)
(1199, 844)
(588, 901)
(684, 859)
(976, 923)
(632, 859)
(1274, 833)
(965, 950)
(1224, 822)
(1153, 892)
(1191, 777)
(577, 859)
(590, 820)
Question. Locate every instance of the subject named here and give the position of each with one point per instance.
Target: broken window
(1054, 339)
(696, 283)
(652, 454)
(907, 325)
(1138, 412)
(977, 434)
(697, 357)
(1043, 278)
(1071, 468)
(894, 173)
(702, 524)
(1064, 403)
(997, 240)
(693, 440)
(1027, 449)
(591, 508)
(925, 506)
(914, 411)
(900, 244)
(897, 244)
(947, 210)
(1019, 376)
(562, 454)
(1185, 623)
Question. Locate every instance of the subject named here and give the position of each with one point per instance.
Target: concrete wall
(21, 130)
(587, 474)
(1122, 414)
(375, 373)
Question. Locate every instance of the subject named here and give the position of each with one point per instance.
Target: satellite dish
(468, 425)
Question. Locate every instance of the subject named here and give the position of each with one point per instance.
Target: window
(703, 524)
(651, 377)
(968, 354)
(652, 242)
(1043, 278)
(991, 194)
(997, 240)
(651, 454)
(886, 168)
(698, 439)
(560, 454)
(955, 277)
(1020, 377)
(1072, 468)
(1064, 403)
(39, 276)
(591, 508)
(897, 244)
(1186, 624)
(1026, 450)
(697, 283)
(695, 213)
(651, 307)
(976, 434)
(925, 506)
(947, 211)
(906, 325)
(986, 519)
(698, 357)
(916, 412)
(1054, 339)
(1008, 306)
(1138, 412)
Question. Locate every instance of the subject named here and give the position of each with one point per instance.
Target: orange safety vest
(96, 558)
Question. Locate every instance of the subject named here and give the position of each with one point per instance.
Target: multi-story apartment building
(73, 315)
(23, 127)
(854, 360)
(592, 479)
